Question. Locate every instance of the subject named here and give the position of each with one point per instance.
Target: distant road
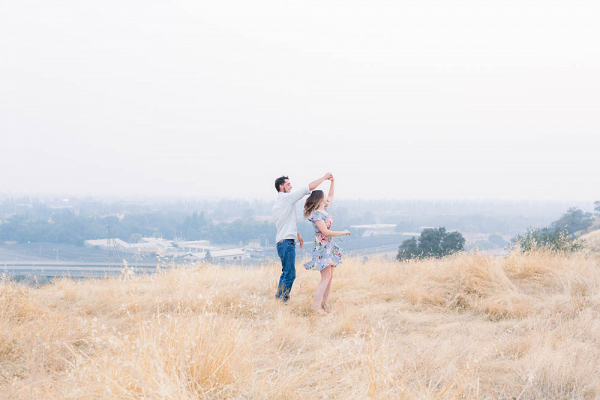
(52, 268)
(72, 263)
(72, 268)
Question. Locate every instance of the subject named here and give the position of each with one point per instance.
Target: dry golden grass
(591, 241)
(469, 326)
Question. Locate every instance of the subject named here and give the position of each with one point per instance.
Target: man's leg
(281, 254)
(289, 269)
(287, 253)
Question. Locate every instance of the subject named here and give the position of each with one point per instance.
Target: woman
(326, 254)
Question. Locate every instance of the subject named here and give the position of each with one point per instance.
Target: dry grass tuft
(470, 325)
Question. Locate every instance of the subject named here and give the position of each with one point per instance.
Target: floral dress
(325, 252)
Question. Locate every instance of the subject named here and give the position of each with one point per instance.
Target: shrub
(554, 239)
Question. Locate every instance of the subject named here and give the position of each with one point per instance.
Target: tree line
(68, 228)
(42, 224)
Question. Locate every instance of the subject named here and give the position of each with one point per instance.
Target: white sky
(411, 99)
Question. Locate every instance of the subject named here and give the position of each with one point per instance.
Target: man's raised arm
(297, 195)
(313, 185)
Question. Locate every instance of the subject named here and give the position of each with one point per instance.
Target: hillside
(592, 241)
(467, 326)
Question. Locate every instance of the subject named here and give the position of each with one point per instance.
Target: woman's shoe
(326, 308)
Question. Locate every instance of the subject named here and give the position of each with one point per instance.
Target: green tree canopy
(451, 243)
(574, 220)
(433, 242)
(408, 249)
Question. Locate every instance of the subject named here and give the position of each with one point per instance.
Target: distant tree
(405, 225)
(597, 208)
(574, 220)
(208, 256)
(433, 242)
(195, 227)
(135, 237)
(497, 240)
(554, 239)
(430, 241)
(367, 218)
(408, 249)
(482, 245)
(451, 243)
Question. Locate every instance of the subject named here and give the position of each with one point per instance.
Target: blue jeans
(286, 250)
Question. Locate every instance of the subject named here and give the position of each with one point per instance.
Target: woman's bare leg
(325, 279)
(326, 294)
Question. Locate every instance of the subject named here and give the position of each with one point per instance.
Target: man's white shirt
(284, 213)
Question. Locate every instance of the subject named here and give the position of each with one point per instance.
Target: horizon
(564, 172)
(164, 198)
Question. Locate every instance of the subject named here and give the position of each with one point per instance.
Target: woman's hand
(346, 232)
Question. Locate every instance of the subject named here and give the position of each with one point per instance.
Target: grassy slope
(592, 241)
(466, 326)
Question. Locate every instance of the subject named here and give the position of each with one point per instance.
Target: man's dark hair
(280, 181)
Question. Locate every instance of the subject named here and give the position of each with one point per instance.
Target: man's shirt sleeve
(297, 195)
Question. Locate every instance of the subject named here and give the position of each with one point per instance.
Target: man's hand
(300, 240)
(313, 185)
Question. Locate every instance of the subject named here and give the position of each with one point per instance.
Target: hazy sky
(411, 99)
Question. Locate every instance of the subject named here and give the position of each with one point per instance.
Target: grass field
(468, 326)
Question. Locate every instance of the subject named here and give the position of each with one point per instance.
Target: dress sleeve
(316, 216)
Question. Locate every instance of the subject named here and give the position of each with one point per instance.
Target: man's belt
(287, 240)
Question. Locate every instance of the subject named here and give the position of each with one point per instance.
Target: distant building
(183, 250)
(195, 246)
(106, 243)
(157, 246)
(189, 257)
(227, 255)
(375, 229)
(255, 253)
(149, 247)
(254, 244)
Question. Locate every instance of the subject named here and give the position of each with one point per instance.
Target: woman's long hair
(313, 202)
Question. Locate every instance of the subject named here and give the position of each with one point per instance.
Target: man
(284, 216)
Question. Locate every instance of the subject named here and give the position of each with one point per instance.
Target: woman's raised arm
(331, 191)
